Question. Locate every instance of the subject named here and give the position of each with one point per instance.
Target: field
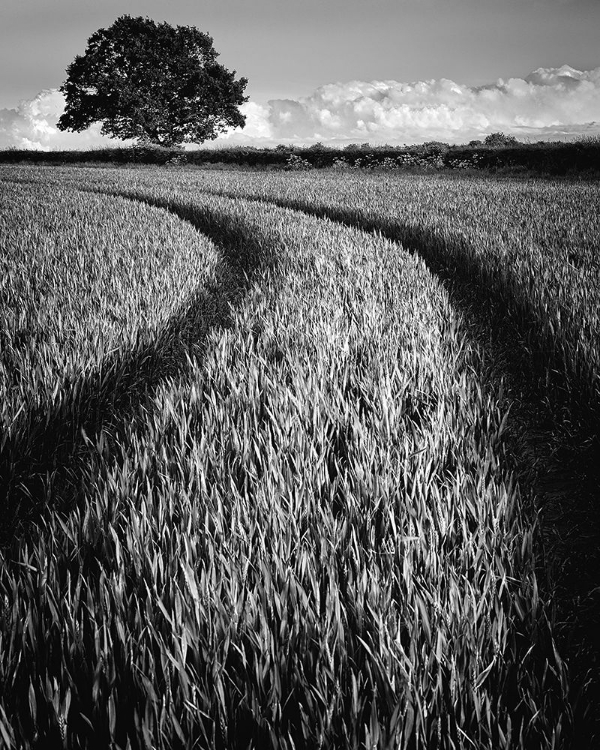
(297, 460)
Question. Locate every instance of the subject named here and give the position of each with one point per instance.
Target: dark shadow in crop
(39, 457)
(53, 443)
(549, 396)
(554, 431)
(472, 287)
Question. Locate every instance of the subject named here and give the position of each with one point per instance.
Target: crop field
(273, 454)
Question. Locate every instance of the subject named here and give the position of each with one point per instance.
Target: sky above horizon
(395, 71)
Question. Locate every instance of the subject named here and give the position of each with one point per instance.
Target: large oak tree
(152, 82)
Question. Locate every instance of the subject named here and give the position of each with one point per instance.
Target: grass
(84, 279)
(297, 525)
(532, 244)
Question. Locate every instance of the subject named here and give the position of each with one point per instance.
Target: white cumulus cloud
(32, 125)
(257, 129)
(549, 103)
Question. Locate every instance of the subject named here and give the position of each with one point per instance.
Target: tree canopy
(152, 82)
(500, 139)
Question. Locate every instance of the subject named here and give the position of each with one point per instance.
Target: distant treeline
(555, 159)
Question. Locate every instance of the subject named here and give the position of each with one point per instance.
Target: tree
(152, 82)
(436, 147)
(499, 139)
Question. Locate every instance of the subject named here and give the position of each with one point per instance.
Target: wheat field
(260, 456)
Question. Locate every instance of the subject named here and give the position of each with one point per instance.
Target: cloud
(549, 103)
(32, 125)
(258, 128)
(558, 100)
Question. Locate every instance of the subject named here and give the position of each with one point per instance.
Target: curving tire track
(40, 464)
(559, 465)
(555, 437)
(113, 392)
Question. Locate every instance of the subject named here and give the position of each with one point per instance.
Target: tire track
(140, 375)
(553, 437)
(38, 461)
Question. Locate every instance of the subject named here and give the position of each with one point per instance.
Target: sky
(337, 71)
